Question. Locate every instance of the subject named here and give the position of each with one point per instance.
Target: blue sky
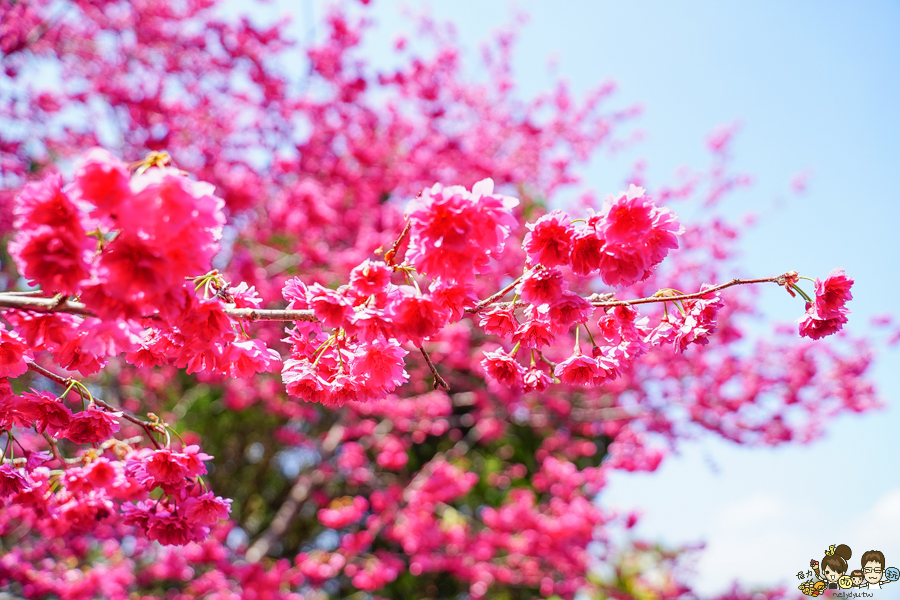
(816, 86)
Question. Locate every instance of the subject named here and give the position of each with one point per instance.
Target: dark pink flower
(637, 236)
(57, 260)
(173, 529)
(103, 180)
(534, 333)
(330, 306)
(45, 204)
(370, 277)
(296, 293)
(248, 357)
(92, 425)
(165, 467)
(416, 316)
(380, 364)
(14, 354)
(245, 296)
(499, 320)
(578, 369)
(569, 309)
(543, 286)
(12, 481)
(537, 380)
(206, 509)
(453, 297)
(587, 251)
(503, 368)
(50, 413)
(832, 294)
(454, 232)
(549, 239)
(698, 321)
(815, 327)
(303, 381)
(370, 324)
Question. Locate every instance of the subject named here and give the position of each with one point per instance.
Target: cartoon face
(857, 580)
(872, 571)
(832, 575)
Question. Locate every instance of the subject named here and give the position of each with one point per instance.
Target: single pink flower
(12, 481)
(549, 239)
(569, 309)
(416, 316)
(543, 286)
(499, 320)
(370, 277)
(380, 364)
(587, 251)
(14, 354)
(248, 357)
(92, 425)
(50, 413)
(815, 327)
(173, 529)
(578, 369)
(832, 294)
(103, 180)
(206, 509)
(537, 380)
(503, 368)
(330, 306)
(534, 333)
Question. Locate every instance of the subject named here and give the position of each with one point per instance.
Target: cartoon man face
(872, 571)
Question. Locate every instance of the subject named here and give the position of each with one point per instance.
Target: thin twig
(492, 299)
(664, 298)
(65, 381)
(58, 304)
(390, 254)
(55, 304)
(438, 380)
(55, 450)
(300, 491)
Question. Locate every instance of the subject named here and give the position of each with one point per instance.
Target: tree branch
(658, 297)
(66, 381)
(19, 301)
(296, 497)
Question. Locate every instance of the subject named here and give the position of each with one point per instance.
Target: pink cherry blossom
(92, 425)
(14, 354)
(504, 369)
(549, 239)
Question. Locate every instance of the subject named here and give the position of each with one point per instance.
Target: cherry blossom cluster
(569, 345)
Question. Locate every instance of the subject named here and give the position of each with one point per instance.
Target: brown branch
(390, 254)
(666, 298)
(56, 304)
(66, 381)
(60, 304)
(492, 299)
(300, 491)
(259, 314)
(438, 380)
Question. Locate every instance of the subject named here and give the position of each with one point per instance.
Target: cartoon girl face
(857, 580)
(830, 574)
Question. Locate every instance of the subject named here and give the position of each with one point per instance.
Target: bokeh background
(815, 87)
